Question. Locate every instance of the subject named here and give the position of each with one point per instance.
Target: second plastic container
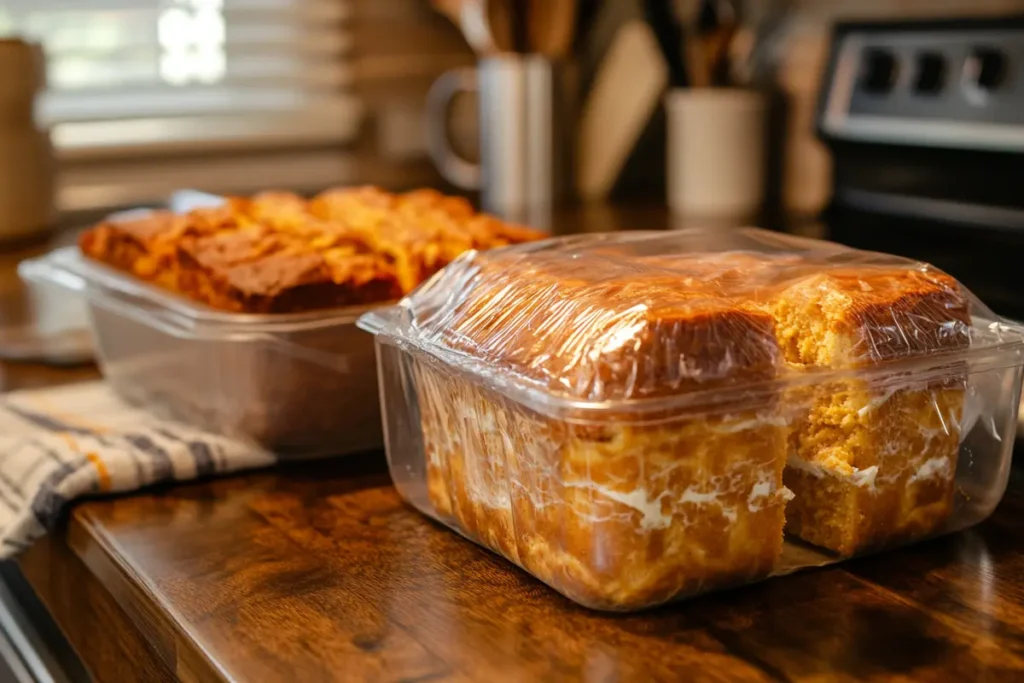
(301, 385)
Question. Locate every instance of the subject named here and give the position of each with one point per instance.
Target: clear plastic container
(639, 417)
(302, 385)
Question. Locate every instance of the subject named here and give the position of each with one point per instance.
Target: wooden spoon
(553, 27)
(498, 14)
(476, 26)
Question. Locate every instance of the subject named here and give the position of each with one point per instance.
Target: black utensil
(669, 32)
(585, 13)
(520, 26)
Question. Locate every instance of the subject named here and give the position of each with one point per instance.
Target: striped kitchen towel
(61, 443)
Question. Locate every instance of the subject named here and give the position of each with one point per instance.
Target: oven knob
(931, 73)
(988, 67)
(878, 71)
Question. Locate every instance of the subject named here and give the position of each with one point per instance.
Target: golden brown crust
(871, 315)
(276, 252)
(603, 327)
(421, 231)
(613, 332)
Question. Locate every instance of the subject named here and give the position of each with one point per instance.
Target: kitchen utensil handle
(454, 168)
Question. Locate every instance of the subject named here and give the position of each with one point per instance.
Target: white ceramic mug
(716, 153)
(527, 127)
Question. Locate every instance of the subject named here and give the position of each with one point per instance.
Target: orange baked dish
(280, 253)
(620, 506)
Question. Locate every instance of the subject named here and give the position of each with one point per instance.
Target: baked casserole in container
(240, 317)
(639, 417)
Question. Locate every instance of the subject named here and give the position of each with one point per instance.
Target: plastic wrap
(638, 417)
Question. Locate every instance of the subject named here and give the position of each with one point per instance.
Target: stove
(925, 122)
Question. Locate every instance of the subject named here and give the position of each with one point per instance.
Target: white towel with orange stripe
(62, 443)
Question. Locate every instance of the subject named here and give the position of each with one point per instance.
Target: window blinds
(170, 77)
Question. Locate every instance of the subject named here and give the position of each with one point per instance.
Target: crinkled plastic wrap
(635, 418)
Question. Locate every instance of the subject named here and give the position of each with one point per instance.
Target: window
(150, 82)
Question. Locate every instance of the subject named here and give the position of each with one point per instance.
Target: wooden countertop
(318, 572)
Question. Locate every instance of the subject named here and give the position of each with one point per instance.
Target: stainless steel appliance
(925, 121)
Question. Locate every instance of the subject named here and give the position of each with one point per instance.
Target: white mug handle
(455, 169)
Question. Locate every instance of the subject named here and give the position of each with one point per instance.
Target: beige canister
(716, 155)
(27, 166)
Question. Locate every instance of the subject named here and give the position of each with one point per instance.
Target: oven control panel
(939, 84)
